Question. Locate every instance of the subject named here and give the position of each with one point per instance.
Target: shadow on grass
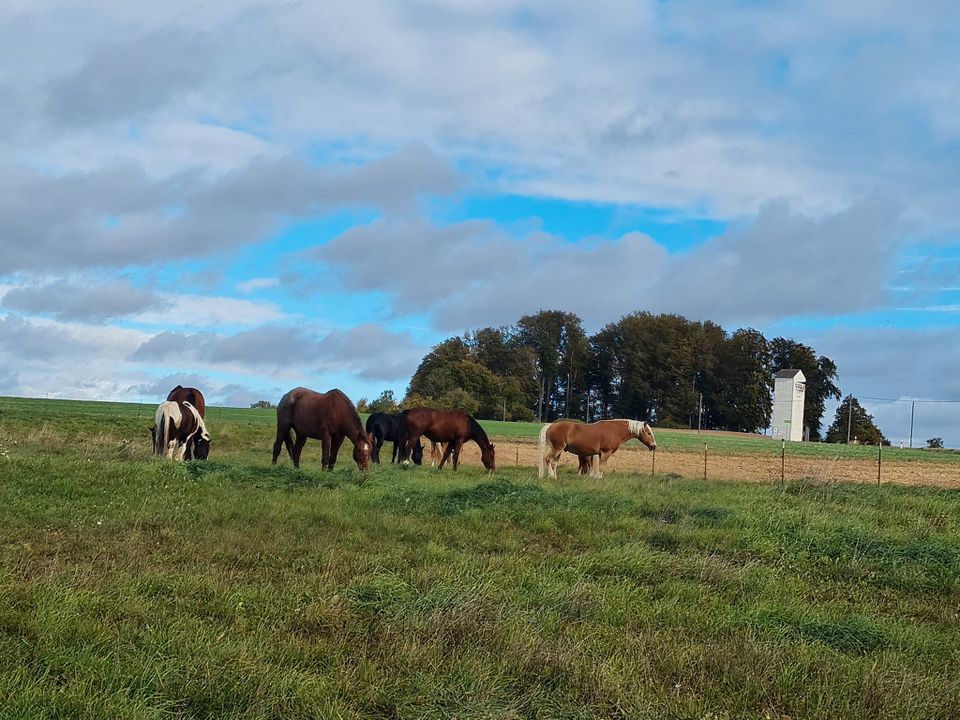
(851, 635)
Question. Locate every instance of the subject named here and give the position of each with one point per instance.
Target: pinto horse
(453, 427)
(601, 438)
(329, 417)
(191, 395)
(179, 432)
(386, 426)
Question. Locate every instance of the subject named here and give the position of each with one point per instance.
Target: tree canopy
(850, 413)
(644, 366)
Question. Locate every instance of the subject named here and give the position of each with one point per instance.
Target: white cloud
(260, 283)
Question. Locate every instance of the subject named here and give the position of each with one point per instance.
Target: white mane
(635, 427)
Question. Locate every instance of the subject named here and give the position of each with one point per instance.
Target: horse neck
(634, 429)
(626, 432)
(479, 435)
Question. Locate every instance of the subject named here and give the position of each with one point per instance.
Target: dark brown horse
(193, 396)
(329, 417)
(453, 427)
(587, 440)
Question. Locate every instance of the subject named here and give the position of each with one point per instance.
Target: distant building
(789, 390)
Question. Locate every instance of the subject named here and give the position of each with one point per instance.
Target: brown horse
(453, 427)
(329, 417)
(193, 396)
(600, 438)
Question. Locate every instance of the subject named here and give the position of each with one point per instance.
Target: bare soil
(747, 467)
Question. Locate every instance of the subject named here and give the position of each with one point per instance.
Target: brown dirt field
(750, 468)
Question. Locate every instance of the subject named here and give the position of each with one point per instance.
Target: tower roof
(790, 374)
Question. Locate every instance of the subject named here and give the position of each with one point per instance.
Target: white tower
(789, 389)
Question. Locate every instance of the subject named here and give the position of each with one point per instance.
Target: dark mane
(478, 432)
(354, 415)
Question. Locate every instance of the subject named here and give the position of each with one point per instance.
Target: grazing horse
(453, 427)
(180, 433)
(190, 395)
(587, 440)
(385, 426)
(329, 417)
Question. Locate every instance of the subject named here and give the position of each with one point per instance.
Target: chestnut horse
(329, 417)
(453, 427)
(587, 440)
(193, 396)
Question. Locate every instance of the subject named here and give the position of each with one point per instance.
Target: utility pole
(504, 408)
(913, 405)
(700, 413)
(849, 415)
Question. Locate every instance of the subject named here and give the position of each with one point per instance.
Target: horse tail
(542, 446)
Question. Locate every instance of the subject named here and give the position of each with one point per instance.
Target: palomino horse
(179, 432)
(191, 395)
(600, 438)
(453, 427)
(385, 426)
(329, 417)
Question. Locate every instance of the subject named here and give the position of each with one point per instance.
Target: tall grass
(135, 588)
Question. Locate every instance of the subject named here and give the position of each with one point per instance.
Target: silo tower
(789, 390)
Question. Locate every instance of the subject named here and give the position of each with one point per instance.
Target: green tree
(820, 372)
(384, 403)
(561, 360)
(862, 428)
(935, 443)
(745, 382)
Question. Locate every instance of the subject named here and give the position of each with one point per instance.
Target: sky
(248, 196)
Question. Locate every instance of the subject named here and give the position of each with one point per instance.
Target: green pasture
(131, 587)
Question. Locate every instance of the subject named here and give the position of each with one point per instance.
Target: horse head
(487, 458)
(646, 436)
(362, 446)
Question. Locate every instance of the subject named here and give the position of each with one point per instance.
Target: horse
(453, 427)
(179, 432)
(190, 395)
(385, 426)
(329, 417)
(601, 438)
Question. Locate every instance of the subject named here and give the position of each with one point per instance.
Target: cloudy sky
(248, 196)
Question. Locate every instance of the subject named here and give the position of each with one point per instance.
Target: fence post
(783, 460)
(518, 456)
(704, 461)
(879, 461)
(653, 462)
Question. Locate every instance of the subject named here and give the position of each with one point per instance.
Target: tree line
(664, 368)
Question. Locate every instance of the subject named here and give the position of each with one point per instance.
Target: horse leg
(457, 445)
(604, 456)
(335, 444)
(283, 436)
(553, 457)
(325, 453)
(446, 454)
(393, 458)
(296, 448)
(375, 448)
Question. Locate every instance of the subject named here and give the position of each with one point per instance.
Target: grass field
(135, 588)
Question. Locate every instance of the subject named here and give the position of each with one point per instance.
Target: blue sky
(255, 197)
